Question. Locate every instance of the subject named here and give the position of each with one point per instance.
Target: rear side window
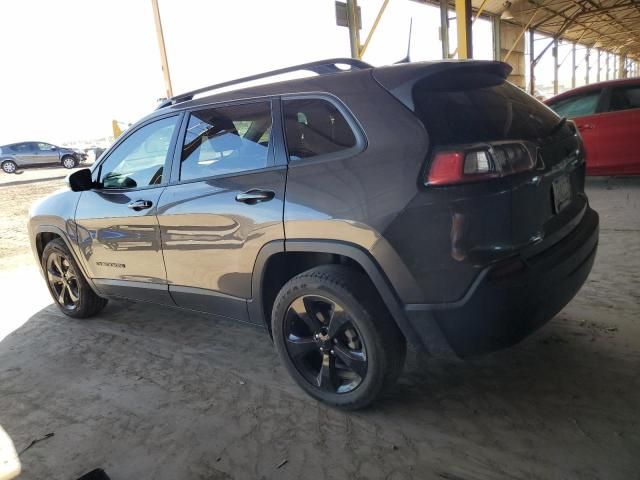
(624, 98)
(464, 113)
(315, 127)
(226, 140)
(577, 106)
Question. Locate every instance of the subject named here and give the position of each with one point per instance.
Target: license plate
(561, 187)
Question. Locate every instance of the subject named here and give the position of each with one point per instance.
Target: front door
(45, 153)
(226, 205)
(117, 228)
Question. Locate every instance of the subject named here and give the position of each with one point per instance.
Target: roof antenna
(407, 59)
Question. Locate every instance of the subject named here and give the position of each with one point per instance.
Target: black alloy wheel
(63, 281)
(67, 284)
(335, 336)
(324, 344)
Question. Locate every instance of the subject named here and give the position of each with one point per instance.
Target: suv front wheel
(67, 285)
(335, 336)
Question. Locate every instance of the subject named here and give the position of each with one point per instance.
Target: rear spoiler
(399, 80)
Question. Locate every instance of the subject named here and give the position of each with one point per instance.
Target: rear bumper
(511, 299)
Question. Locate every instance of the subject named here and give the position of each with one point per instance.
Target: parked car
(29, 154)
(348, 213)
(608, 117)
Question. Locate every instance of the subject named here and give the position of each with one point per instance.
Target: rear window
(314, 127)
(497, 111)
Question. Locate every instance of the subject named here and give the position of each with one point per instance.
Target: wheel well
(283, 266)
(42, 239)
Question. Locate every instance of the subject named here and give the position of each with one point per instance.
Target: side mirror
(81, 180)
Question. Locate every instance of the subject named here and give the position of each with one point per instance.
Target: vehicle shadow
(136, 372)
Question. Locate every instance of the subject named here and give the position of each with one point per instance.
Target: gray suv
(30, 154)
(349, 213)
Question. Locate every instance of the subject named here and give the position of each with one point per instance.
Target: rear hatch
(470, 110)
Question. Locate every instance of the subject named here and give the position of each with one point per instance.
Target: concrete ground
(148, 392)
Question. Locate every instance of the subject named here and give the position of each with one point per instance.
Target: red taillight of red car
(474, 164)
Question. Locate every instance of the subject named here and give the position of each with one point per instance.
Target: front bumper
(511, 299)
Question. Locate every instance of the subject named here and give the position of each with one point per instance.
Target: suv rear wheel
(9, 166)
(67, 285)
(335, 336)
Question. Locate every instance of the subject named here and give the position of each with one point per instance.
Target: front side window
(225, 140)
(577, 106)
(315, 127)
(45, 147)
(624, 98)
(139, 160)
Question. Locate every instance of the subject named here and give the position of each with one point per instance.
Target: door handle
(255, 196)
(585, 126)
(140, 205)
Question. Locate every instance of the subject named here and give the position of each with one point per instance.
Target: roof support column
(623, 67)
(463, 21)
(554, 51)
(163, 50)
(598, 65)
(586, 75)
(607, 66)
(573, 65)
(532, 63)
(354, 32)
(497, 45)
(444, 27)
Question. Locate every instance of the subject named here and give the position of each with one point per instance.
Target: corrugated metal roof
(612, 25)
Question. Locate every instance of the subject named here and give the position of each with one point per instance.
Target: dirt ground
(148, 392)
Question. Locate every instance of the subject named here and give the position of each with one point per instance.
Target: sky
(69, 67)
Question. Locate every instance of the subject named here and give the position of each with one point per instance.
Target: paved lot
(148, 392)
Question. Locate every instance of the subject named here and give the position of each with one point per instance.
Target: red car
(608, 117)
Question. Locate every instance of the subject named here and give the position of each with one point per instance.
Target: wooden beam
(163, 51)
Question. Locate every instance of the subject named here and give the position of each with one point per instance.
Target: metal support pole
(623, 66)
(444, 27)
(573, 65)
(463, 21)
(373, 28)
(598, 65)
(587, 58)
(607, 66)
(497, 44)
(532, 63)
(163, 51)
(555, 66)
(354, 32)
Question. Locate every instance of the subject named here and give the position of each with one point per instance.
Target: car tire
(9, 166)
(69, 162)
(66, 283)
(346, 364)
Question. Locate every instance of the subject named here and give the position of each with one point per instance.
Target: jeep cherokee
(349, 213)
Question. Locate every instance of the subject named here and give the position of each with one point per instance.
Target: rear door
(225, 203)
(619, 132)
(117, 228)
(24, 153)
(583, 109)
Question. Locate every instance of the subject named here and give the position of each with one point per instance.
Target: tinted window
(139, 160)
(22, 148)
(315, 127)
(226, 140)
(468, 114)
(624, 98)
(577, 106)
(45, 147)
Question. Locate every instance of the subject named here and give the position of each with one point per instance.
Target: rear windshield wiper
(558, 126)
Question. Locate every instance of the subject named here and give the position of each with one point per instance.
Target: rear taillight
(475, 163)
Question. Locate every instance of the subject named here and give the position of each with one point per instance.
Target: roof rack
(321, 67)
